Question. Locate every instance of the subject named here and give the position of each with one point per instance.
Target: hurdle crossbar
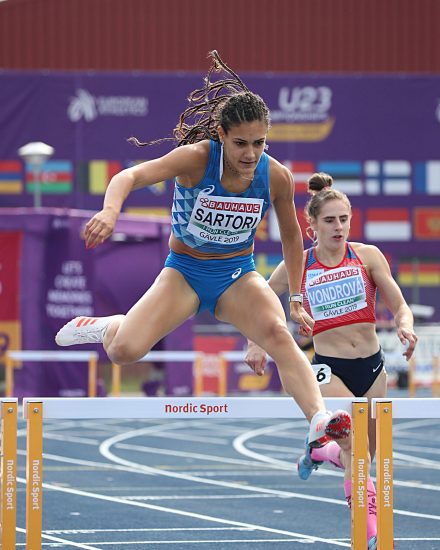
(8, 459)
(13, 357)
(35, 410)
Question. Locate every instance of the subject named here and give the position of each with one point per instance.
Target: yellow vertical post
(359, 475)
(116, 380)
(93, 375)
(412, 377)
(384, 475)
(435, 376)
(9, 376)
(198, 375)
(34, 476)
(8, 515)
(222, 376)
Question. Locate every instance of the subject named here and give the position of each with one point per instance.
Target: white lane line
(240, 447)
(63, 541)
(184, 513)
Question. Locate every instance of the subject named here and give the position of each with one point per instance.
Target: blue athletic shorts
(357, 374)
(210, 278)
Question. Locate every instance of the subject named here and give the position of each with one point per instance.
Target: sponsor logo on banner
(388, 224)
(427, 223)
(225, 220)
(86, 106)
(303, 114)
(336, 292)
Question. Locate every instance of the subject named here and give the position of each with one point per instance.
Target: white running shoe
(327, 426)
(84, 330)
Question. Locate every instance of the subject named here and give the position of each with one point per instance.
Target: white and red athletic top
(340, 295)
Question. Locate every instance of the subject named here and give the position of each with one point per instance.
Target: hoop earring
(312, 236)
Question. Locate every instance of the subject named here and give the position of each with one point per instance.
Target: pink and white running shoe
(327, 426)
(84, 330)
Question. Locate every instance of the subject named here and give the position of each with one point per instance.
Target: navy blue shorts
(210, 278)
(357, 374)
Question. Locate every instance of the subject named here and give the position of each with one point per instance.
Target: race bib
(225, 220)
(336, 292)
(323, 373)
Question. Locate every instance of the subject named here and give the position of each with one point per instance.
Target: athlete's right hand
(256, 358)
(100, 227)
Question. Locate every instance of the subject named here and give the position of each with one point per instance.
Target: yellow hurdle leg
(198, 375)
(93, 375)
(359, 475)
(222, 376)
(116, 380)
(9, 376)
(384, 475)
(8, 475)
(34, 476)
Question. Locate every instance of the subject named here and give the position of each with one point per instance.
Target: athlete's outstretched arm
(187, 162)
(282, 190)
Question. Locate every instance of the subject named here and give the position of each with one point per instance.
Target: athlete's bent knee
(278, 336)
(124, 353)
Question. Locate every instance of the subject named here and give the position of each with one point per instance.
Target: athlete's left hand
(409, 339)
(300, 316)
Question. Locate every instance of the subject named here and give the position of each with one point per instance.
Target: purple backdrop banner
(377, 135)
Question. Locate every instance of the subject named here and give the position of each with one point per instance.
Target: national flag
(100, 173)
(419, 273)
(11, 177)
(347, 175)
(390, 177)
(55, 177)
(427, 177)
(388, 224)
(301, 170)
(427, 223)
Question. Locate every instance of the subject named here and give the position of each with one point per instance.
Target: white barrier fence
(423, 368)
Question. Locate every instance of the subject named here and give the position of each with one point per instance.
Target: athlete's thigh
(335, 388)
(251, 306)
(378, 389)
(165, 306)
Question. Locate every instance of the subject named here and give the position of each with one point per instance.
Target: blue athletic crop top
(212, 220)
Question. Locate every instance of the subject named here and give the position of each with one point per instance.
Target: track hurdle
(217, 362)
(8, 459)
(384, 410)
(13, 357)
(199, 359)
(36, 410)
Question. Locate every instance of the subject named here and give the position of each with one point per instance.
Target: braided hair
(225, 102)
